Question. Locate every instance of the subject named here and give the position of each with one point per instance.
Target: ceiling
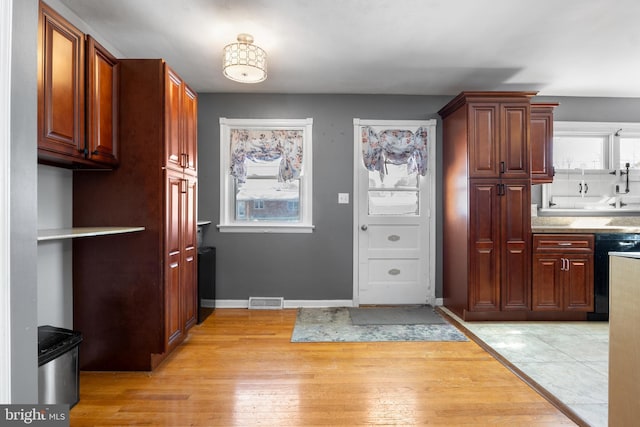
(418, 47)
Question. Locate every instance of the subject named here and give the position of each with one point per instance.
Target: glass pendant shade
(244, 62)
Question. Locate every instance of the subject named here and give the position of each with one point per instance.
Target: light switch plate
(343, 198)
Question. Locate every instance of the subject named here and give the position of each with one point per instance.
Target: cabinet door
(484, 267)
(60, 87)
(483, 141)
(189, 279)
(542, 143)
(173, 119)
(546, 286)
(102, 104)
(173, 258)
(190, 134)
(578, 288)
(514, 140)
(515, 216)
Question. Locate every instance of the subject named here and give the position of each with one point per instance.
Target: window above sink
(597, 169)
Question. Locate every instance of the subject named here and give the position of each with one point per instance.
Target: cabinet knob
(364, 227)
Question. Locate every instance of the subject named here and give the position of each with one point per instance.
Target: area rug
(403, 315)
(334, 324)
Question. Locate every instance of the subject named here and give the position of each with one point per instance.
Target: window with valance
(265, 175)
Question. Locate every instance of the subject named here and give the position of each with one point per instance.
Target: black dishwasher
(605, 243)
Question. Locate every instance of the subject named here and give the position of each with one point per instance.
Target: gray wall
(318, 266)
(23, 228)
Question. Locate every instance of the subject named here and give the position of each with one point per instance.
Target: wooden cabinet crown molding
(475, 96)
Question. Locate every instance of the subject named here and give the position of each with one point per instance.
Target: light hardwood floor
(239, 368)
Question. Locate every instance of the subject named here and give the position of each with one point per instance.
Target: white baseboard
(244, 303)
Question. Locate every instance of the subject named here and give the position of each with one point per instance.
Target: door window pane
(396, 194)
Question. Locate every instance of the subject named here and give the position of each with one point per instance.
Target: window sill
(264, 228)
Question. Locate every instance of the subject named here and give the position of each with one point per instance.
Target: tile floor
(569, 359)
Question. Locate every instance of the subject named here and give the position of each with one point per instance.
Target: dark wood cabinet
(500, 132)
(145, 288)
(500, 239)
(77, 99)
(542, 143)
(563, 272)
(180, 256)
(101, 104)
(486, 204)
(61, 88)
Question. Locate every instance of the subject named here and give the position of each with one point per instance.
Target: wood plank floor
(238, 368)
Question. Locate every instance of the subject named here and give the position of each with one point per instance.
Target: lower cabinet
(562, 272)
(180, 257)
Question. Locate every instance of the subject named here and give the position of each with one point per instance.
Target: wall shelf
(72, 233)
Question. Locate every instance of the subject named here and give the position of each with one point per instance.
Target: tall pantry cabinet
(487, 198)
(135, 296)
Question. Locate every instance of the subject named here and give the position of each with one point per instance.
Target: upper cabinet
(181, 124)
(498, 139)
(542, 143)
(60, 88)
(102, 104)
(72, 94)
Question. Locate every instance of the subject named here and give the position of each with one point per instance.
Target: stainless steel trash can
(58, 368)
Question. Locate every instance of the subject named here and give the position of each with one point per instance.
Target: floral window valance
(267, 145)
(395, 146)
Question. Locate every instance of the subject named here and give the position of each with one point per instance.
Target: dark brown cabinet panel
(147, 288)
(562, 278)
(61, 88)
(102, 104)
(190, 134)
(486, 204)
(542, 143)
(484, 280)
(516, 236)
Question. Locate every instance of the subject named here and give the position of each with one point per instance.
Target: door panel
(484, 282)
(515, 140)
(579, 283)
(483, 141)
(173, 111)
(516, 223)
(547, 283)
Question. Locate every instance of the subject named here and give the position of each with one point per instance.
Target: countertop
(585, 224)
(635, 255)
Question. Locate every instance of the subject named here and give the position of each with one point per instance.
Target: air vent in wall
(266, 303)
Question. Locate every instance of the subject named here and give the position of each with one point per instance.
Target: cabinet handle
(183, 186)
(502, 167)
(394, 271)
(564, 243)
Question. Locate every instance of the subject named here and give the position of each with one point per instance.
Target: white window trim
(227, 209)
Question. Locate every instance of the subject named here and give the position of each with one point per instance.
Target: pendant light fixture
(243, 61)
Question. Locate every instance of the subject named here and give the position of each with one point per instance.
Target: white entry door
(393, 224)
